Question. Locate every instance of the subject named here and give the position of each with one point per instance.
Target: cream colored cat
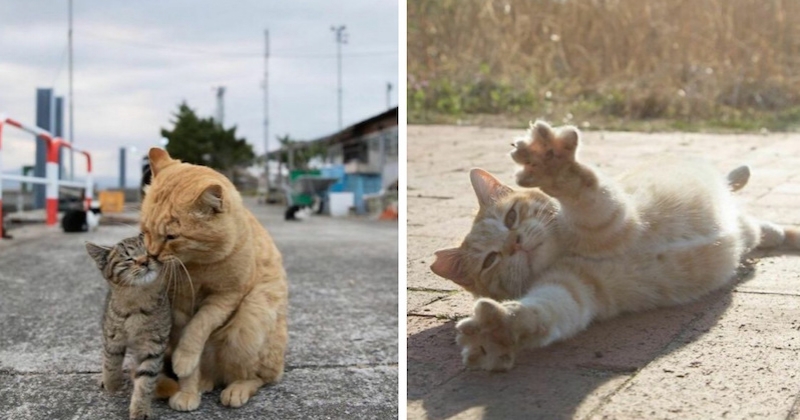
(547, 262)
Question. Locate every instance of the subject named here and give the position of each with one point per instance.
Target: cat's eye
(511, 218)
(171, 237)
(490, 259)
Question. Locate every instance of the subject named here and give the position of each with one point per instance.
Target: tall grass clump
(729, 62)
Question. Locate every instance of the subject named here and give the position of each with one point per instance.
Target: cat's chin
(147, 278)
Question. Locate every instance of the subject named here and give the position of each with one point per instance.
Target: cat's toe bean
(468, 326)
(489, 312)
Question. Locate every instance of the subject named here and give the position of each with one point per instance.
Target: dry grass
(730, 62)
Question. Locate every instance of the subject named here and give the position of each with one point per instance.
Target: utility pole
(266, 110)
(220, 117)
(388, 95)
(341, 38)
(71, 108)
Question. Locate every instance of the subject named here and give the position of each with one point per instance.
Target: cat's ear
(210, 200)
(488, 188)
(99, 254)
(448, 264)
(159, 159)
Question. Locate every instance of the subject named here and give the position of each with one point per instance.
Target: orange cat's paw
(184, 401)
(184, 362)
(487, 338)
(545, 154)
(237, 394)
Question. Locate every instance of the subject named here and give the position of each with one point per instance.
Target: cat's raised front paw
(487, 338)
(545, 155)
(184, 362)
(184, 401)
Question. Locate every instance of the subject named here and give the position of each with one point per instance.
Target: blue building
(364, 156)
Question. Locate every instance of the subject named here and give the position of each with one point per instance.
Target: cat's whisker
(188, 277)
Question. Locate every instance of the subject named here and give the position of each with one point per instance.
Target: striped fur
(663, 234)
(137, 318)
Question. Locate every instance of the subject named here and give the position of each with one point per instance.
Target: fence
(53, 146)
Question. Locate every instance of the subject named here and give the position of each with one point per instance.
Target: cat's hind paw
(487, 338)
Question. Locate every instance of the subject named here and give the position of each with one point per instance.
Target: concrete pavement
(342, 359)
(732, 354)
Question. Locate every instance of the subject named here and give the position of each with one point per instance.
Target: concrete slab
(342, 357)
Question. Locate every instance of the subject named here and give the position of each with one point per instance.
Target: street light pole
(266, 110)
(71, 109)
(341, 38)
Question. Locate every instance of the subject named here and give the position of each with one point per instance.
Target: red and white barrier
(54, 145)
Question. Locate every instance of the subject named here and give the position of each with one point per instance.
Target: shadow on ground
(565, 380)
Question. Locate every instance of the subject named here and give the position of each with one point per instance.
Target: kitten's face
(126, 263)
(511, 241)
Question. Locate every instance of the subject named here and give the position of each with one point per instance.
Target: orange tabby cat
(546, 262)
(231, 327)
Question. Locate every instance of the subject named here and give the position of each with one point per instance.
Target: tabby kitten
(546, 262)
(137, 318)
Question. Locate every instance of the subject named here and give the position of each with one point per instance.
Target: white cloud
(136, 61)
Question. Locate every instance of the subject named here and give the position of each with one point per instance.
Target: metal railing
(53, 145)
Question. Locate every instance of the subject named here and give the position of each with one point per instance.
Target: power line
(206, 53)
(61, 61)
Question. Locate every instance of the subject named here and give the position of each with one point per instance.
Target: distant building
(368, 147)
(364, 156)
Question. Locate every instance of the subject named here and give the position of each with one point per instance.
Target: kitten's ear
(159, 159)
(99, 254)
(448, 264)
(210, 200)
(488, 188)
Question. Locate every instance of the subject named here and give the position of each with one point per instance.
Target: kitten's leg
(492, 336)
(594, 208)
(147, 371)
(113, 356)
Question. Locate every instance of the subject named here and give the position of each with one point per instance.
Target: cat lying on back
(546, 262)
(137, 318)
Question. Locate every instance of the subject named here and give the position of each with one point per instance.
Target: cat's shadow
(564, 380)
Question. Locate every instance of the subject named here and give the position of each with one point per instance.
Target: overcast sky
(134, 62)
